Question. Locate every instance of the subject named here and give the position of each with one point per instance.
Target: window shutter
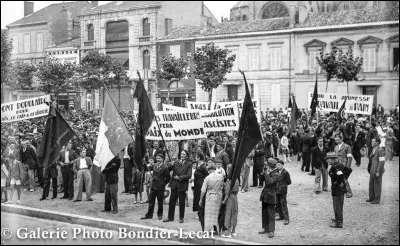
(146, 29)
(27, 43)
(39, 44)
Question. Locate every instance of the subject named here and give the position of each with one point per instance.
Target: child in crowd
(148, 178)
(16, 176)
(246, 172)
(285, 148)
(220, 170)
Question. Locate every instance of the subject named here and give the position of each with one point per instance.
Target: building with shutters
(128, 30)
(276, 44)
(36, 31)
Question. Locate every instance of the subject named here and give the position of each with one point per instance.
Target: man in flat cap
(338, 173)
(268, 198)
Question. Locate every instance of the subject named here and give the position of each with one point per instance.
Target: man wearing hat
(268, 198)
(161, 177)
(338, 173)
(359, 142)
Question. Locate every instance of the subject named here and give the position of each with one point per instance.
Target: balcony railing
(144, 39)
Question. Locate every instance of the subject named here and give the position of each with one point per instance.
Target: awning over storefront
(369, 83)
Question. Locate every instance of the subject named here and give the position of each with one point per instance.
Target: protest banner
(224, 119)
(256, 104)
(200, 105)
(25, 109)
(355, 104)
(167, 107)
(176, 125)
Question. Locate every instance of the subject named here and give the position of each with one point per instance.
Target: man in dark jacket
(258, 164)
(281, 192)
(160, 178)
(306, 150)
(358, 143)
(29, 161)
(338, 174)
(268, 198)
(111, 192)
(182, 172)
(65, 161)
(318, 154)
(128, 168)
(50, 174)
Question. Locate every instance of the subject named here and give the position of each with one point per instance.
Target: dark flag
(249, 135)
(144, 120)
(341, 111)
(113, 137)
(294, 116)
(290, 102)
(57, 134)
(314, 101)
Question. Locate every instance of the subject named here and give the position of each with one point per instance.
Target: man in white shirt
(82, 166)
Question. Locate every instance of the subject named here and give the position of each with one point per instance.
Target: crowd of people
(204, 165)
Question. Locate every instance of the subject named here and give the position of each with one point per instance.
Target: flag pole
(155, 117)
(316, 79)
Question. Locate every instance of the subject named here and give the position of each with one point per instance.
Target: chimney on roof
(94, 4)
(28, 8)
(202, 7)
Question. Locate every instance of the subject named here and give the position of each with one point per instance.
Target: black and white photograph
(200, 122)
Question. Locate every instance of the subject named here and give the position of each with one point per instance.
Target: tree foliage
(55, 76)
(6, 47)
(342, 66)
(97, 69)
(172, 68)
(211, 66)
(23, 74)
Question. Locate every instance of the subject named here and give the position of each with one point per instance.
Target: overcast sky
(14, 10)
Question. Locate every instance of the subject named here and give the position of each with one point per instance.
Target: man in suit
(358, 143)
(29, 161)
(268, 198)
(65, 162)
(281, 192)
(50, 174)
(258, 164)
(344, 157)
(338, 173)
(111, 190)
(82, 166)
(372, 133)
(381, 110)
(153, 152)
(161, 177)
(321, 167)
(376, 168)
(182, 172)
(306, 150)
(11, 149)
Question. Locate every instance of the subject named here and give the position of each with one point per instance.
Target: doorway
(371, 90)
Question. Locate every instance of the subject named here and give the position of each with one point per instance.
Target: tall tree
(172, 69)
(24, 73)
(348, 67)
(55, 76)
(211, 66)
(6, 47)
(328, 63)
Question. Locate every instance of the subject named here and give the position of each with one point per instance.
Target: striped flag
(113, 137)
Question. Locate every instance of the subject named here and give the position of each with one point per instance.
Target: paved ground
(28, 227)
(310, 214)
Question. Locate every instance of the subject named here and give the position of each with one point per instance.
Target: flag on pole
(57, 134)
(290, 103)
(145, 118)
(314, 101)
(294, 116)
(113, 137)
(248, 137)
(341, 111)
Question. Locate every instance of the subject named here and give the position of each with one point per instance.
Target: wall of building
(387, 92)
(262, 78)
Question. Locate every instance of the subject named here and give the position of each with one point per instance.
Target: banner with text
(224, 119)
(167, 107)
(355, 104)
(25, 109)
(256, 104)
(176, 125)
(202, 106)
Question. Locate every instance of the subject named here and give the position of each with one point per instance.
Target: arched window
(90, 30)
(274, 10)
(146, 27)
(146, 59)
(244, 18)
